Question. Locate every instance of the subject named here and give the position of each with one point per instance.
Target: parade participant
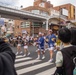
(51, 42)
(14, 41)
(35, 40)
(41, 46)
(19, 42)
(11, 41)
(31, 40)
(19, 48)
(26, 52)
(36, 44)
(43, 34)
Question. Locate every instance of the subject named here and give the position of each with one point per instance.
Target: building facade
(41, 7)
(43, 3)
(44, 7)
(67, 10)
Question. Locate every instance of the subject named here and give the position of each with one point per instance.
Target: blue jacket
(41, 42)
(51, 42)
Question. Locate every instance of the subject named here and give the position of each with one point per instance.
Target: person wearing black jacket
(73, 37)
(7, 60)
(64, 57)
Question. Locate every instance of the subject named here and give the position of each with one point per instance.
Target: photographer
(7, 58)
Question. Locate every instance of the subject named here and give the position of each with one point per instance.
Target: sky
(26, 3)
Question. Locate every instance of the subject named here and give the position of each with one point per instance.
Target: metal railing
(60, 16)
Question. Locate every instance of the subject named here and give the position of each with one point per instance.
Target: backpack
(74, 61)
(73, 58)
(74, 71)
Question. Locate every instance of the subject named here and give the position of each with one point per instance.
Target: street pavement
(29, 65)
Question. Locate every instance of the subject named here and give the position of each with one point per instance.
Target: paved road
(29, 65)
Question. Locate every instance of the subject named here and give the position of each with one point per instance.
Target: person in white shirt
(64, 60)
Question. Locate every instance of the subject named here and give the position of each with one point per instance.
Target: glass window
(43, 25)
(36, 24)
(25, 24)
(42, 4)
(36, 11)
(44, 13)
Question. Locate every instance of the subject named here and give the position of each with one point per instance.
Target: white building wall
(55, 12)
(36, 11)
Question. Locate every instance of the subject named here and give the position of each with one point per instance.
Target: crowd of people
(64, 42)
(42, 41)
(66, 57)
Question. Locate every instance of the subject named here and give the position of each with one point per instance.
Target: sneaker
(28, 54)
(24, 55)
(36, 50)
(17, 53)
(55, 50)
(38, 58)
(50, 60)
(21, 52)
(43, 57)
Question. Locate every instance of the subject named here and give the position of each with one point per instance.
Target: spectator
(73, 38)
(7, 59)
(64, 57)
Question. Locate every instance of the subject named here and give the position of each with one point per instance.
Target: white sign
(64, 12)
(55, 12)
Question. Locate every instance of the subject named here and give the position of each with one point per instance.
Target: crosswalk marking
(47, 72)
(17, 60)
(19, 56)
(26, 63)
(25, 70)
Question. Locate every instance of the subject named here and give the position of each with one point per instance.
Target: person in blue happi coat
(40, 46)
(51, 39)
